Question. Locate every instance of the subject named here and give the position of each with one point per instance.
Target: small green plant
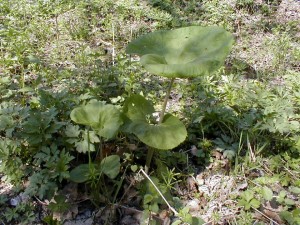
(105, 120)
(293, 218)
(187, 218)
(60, 204)
(21, 214)
(248, 200)
(151, 198)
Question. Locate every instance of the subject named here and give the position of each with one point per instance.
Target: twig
(40, 201)
(170, 207)
(265, 215)
(252, 155)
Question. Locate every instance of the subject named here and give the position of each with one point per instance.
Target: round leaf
(167, 135)
(104, 119)
(184, 52)
(137, 107)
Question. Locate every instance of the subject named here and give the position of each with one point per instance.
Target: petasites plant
(105, 120)
(180, 53)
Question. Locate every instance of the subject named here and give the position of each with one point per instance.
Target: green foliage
(11, 162)
(50, 221)
(60, 205)
(110, 166)
(151, 198)
(55, 160)
(186, 217)
(41, 185)
(248, 200)
(21, 214)
(58, 55)
(40, 126)
(293, 218)
(227, 145)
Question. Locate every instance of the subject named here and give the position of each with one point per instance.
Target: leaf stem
(149, 159)
(161, 117)
(162, 113)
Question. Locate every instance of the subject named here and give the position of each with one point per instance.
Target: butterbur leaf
(147, 198)
(197, 221)
(137, 107)
(167, 135)
(110, 166)
(185, 52)
(247, 195)
(104, 119)
(80, 173)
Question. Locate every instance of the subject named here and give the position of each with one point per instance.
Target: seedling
(180, 53)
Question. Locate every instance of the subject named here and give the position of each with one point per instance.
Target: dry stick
(265, 215)
(113, 44)
(161, 117)
(170, 207)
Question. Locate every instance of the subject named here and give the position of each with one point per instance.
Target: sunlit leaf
(104, 119)
(184, 52)
(167, 135)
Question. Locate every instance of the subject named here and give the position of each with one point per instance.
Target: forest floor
(240, 163)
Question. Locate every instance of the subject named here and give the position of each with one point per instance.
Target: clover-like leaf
(185, 52)
(104, 119)
(166, 135)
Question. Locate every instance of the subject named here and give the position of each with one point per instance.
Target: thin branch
(170, 207)
(265, 216)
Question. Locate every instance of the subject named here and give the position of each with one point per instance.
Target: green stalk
(149, 159)
(162, 113)
(161, 117)
(89, 152)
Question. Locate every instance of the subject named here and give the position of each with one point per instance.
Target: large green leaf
(184, 52)
(167, 135)
(137, 107)
(104, 119)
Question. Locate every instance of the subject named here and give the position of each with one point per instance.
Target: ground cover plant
(81, 112)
